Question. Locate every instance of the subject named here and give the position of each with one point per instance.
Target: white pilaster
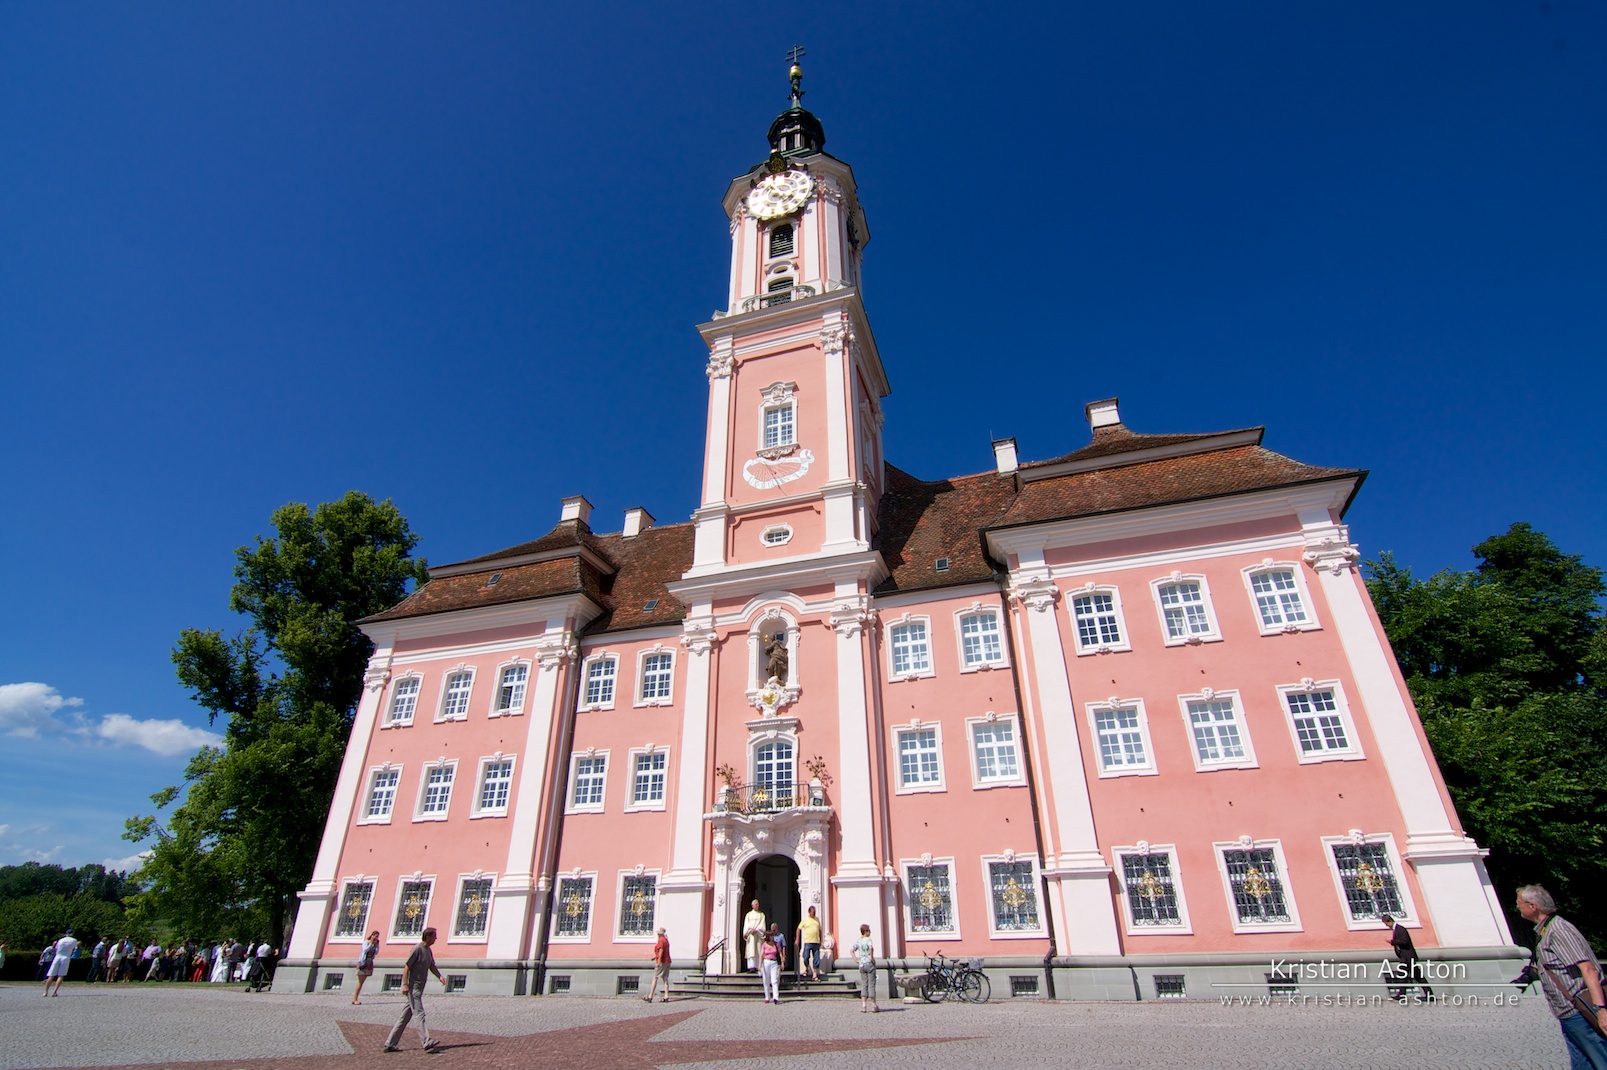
(683, 891)
(835, 338)
(849, 620)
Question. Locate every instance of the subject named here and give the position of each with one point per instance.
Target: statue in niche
(775, 647)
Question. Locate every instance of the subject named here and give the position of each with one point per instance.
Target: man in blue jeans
(1568, 968)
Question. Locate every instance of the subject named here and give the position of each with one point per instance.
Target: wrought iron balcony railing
(777, 297)
(768, 798)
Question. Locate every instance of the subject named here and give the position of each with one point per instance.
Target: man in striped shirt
(1568, 968)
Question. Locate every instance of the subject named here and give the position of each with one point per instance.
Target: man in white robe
(754, 927)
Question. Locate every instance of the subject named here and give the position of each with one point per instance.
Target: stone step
(750, 986)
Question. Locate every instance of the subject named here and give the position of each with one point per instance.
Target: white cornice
(1209, 444)
(463, 568)
(554, 610)
(867, 568)
(928, 595)
(1028, 539)
(811, 314)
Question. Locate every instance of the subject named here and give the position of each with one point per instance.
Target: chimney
(1004, 455)
(1102, 414)
(576, 508)
(637, 520)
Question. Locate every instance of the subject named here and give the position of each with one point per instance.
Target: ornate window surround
(593, 659)
(1214, 635)
(497, 710)
(1070, 595)
(641, 677)
(389, 720)
(1184, 926)
(334, 936)
(368, 793)
(479, 784)
(457, 897)
(1145, 768)
(557, 907)
(1352, 753)
(396, 905)
(1310, 624)
(783, 533)
(973, 610)
(904, 865)
(777, 397)
(460, 669)
(442, 762)
(888, 627)
(941, 784)
(619, 903)
(1245, 843)
(1411, 918)
(1210, 695)
(994, 932)
(977, 783)
(631, 805)
(569, 791)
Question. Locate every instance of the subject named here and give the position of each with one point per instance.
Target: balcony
(773, 798)
(777, 297)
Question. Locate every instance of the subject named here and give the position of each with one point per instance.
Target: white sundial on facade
(766, 472)
(779, 195)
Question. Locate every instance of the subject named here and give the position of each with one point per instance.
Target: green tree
(1505, 664)
(243, 841)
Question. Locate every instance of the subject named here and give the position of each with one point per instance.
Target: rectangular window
(930, 898)
(647, 779)
(600, 682)
(354, 902)
(910, 651)
(511, 688)
(455, 704)
(496, 781)
(1214, 724)
(918, 758)
(1121, 738)
(979, 640)
(474, 907)
(1368, 878)
(382, 794)
(404, 697)
(779, 429)
(1183, 610)
(1319, 725)
(995, 747)
(1151, 895)
(1015, 896)
(1257, 886)
(588, 790)
(637, 902)
(437, 790)
(572, 916)
(1098, 623)
(1278, 599)
(412, 907)
(656, 669)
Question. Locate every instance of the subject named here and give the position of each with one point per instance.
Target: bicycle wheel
(973, 987)
(932, 989)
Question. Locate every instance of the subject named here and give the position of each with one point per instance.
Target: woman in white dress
(220, 964)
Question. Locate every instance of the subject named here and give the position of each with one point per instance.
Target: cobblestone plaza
(170, 1025)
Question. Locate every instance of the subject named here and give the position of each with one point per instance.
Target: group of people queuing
(115, 960)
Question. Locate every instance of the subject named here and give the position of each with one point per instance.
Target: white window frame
(909, 621)
(364, 929)
(446, 690)
(1202, 764)
(424, 787)
(1089, 590)
(457, 897)
(620, 937)
(1145, 768)
(1410, 918)
(785, 402)
(657, 650)
(782, 533)
(368, 794)
(1310, 624)
(475, 809)
(1185, 925)
(396, 906)
(977, 609)
(391, 720)
(1276, 847)
(1213, 632)
(570, 806)
(904, 867)
(631, 805)
(1308, 686)
(558, 907)
(499, 710)
(599, 658)
(977, 781)
(938, 785)
(1010, 858)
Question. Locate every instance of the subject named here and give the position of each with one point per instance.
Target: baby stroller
(256, 974)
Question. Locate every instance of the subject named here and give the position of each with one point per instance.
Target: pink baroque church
(1122, 723)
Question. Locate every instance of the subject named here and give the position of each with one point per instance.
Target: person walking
(1407, 973)
(365, 963)
(770, 966)
(661, 967)
(65, 949)
(97, 959)
(114, 961)
(1569, 975)
(864, 952)
(753, 929)
(808, 940)
(45, 958)
(415, 973)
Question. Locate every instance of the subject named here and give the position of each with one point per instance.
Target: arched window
(781, 241)
(773, 767)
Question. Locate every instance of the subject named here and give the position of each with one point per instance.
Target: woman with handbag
(365, 962)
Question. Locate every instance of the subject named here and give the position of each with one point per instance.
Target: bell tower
(793, 460)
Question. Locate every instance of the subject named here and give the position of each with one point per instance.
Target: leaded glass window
(1121, 738)
(354, 902)
(382, 793)
(474, 907)
(1277, 598)
(511, 688)
(455, 706)
(995, 746)
(647, 779)
(931, 901)
(1258, 895)
(1097, 622)
(1183, 606)
(1368, 879)
(1151, 893)
(412, 908)
(573, 909)
(600, 681)
(656, 677)
(979, 639)
(917, 758)
(589, 776)
(1318, 723)
(1015, 896)
(1215, 726)
(910, 650)
(637, 900)
(495, 784)
(404, 698)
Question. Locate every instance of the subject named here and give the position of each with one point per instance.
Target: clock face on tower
(767, 472)
(779, 195)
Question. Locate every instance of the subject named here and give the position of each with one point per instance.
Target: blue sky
(453, 255)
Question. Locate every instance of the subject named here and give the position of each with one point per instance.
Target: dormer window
(781, 241)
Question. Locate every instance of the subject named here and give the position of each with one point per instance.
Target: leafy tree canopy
(244, 840)
(1505, 663)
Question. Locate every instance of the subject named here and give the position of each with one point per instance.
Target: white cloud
(4, 829)
(25, 709)
(126, 865)
(41, 855)
(167, 738)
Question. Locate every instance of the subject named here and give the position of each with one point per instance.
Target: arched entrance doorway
(773, 881)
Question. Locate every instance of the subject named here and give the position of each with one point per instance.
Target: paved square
(167, 1025)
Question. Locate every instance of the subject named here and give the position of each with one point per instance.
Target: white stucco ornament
(779, 195)
(767, 472)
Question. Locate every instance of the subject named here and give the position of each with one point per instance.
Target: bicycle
(960, 978)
